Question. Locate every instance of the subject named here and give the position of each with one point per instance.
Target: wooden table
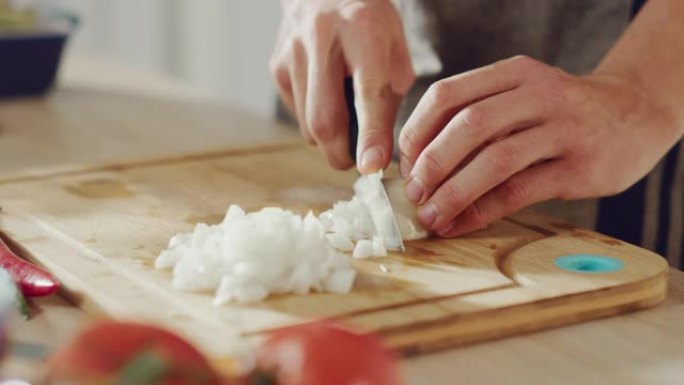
(639, 348)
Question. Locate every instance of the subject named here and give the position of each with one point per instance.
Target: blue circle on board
(589, 263)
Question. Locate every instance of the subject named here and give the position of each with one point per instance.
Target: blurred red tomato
(322, 353)
(112, 352)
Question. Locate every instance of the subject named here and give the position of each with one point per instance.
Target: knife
(381, 212)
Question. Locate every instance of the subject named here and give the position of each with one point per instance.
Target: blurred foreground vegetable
(323, 353)
(319, 353)
(111, 352)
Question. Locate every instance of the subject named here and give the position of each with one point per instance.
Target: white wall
(222, 46)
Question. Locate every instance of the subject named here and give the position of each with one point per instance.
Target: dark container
(29, 59)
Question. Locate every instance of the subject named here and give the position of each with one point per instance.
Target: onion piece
(379, 249)
(340, 241)
(363, 249)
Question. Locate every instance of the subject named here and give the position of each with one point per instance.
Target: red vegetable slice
(32, 280)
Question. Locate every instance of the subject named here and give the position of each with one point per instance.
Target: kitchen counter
(136, 116)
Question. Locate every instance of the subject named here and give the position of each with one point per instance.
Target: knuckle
(407, 141)
(274, 66)
(322, 126)
(439, 92)
(319, 28)
(374, 88)
(558, 88)
(431, 167)
(513, 193)
(365, 17)
(322, 21)
(297, 52)
(453, 196)
(504, 158)
(576, 170)
(280, 74)
(566, 90)
(474, 121)
(475, 218)
(376, 133)
(525, 63)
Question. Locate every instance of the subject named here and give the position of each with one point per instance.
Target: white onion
(340, 241)
(249, 256)
(379, 249)
(363, 249)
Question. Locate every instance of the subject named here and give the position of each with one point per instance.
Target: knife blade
(376, 197)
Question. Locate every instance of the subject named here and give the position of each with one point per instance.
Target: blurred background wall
(220, 46)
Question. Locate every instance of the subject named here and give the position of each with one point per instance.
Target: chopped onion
(249, 256)
(340, 241)
(379, 249)
(363, 249)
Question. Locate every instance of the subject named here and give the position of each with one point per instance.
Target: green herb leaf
(261, 378)
(11, 295)
(147, 368)
(22, 305)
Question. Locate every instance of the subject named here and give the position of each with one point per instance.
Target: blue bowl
(29, 59)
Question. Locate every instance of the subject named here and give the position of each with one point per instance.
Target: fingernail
(427, 214)
(404, 167)
(371, 160)
(414, 190)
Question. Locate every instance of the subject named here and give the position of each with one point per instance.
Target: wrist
(669, 111)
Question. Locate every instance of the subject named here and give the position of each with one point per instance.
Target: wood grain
(74, 129)
(100, 232)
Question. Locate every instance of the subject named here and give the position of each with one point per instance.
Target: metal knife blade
(370, 189)
(393, 239)
(378, 202)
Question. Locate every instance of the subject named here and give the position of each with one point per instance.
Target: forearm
(651, 54)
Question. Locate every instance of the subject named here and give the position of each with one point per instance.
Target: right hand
(319, 44)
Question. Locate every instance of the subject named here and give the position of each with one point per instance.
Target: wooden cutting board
(100, 232)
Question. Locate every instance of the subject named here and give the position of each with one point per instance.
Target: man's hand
(320, 43)
(486, 143)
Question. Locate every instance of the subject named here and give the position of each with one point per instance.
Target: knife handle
(353, 119)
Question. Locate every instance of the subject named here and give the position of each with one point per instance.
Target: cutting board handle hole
(589, 263)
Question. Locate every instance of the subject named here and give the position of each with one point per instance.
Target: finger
(473, 126)
(326, 112)
(376, 108)
(446, 97)
(368, 57)
(284, 87)
(280, 72)
(536, 184)
(402, 74)
(491, 167)
(298, 76)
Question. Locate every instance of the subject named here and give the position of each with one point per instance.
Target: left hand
(486, 143)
